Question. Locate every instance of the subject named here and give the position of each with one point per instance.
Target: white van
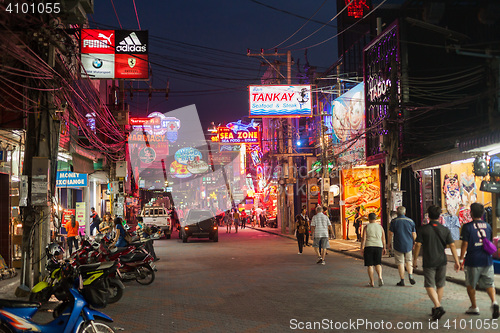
(158, 216)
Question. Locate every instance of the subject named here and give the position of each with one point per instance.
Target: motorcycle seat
(97, 266)
(118, 249)
(135, 256)
(11, 303)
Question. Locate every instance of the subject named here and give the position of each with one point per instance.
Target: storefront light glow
(468, 160)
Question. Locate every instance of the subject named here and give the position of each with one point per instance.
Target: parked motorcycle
(72, 315)
(138, 266)
(43, 290)
(105, 273)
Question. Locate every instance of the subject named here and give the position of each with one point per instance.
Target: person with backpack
(301, 221)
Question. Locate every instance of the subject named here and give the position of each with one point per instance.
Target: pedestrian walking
(300, 230)
(244, 217)
(320, 225)
(254, 217)
(402, 231)
(95, 221)
(228, 221)
(236, 218)
(357, 224)
(72, 232)
(478, 263)
(434, 238)
(303, 217)
(262, 218)
(373, 247)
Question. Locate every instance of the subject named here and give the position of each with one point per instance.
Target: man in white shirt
(320, 225)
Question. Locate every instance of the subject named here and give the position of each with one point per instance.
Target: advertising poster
(280, 101)
(120, 54)
(348, 125)
(361, 190)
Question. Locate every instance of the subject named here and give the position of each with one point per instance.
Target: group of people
(237, 218)
(433, 238)
(320, 229)
(112, 228)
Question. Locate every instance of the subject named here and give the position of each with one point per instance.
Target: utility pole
(283, 209)
(291, 175)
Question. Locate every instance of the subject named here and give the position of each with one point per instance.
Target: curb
(384, 262)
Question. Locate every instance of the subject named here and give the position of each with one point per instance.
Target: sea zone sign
(109, 54)
(280, 101)
(71, 179)
(248, 136)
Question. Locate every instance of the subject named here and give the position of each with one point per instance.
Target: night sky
(200, 47)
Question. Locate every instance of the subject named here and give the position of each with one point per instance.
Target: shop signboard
(361, 189)
(188, 161)
(80, 214)
(109, 54)
(71, 179)
(280, 101)
(347, 125)
(237, 134)
(67, 213)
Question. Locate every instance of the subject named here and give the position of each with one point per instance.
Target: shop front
(452, 181)
(453, 187)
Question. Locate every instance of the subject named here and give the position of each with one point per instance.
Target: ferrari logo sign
(132, 62)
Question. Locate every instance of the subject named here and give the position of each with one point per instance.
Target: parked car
(157, 216)
(199, 223)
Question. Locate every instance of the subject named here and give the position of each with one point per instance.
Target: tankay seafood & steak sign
(280, 100)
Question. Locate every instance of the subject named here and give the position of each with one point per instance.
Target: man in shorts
(478, 263)
(434, 238)
(320, 225)
(403, 232)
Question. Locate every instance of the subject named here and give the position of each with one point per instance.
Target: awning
(478, 141)
(439, 159)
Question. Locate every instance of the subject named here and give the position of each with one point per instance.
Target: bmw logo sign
(97, 63)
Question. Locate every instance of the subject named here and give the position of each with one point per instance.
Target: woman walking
(372, 247)
(301, 230)
(229, 221)
(236, 216)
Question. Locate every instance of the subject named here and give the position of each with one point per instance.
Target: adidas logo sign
(131, 43)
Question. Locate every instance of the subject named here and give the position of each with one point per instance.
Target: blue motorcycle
(72, 315)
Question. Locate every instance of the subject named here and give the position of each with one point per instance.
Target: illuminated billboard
(114, 54)
(348, 126)
(280, 101)
(238, 133)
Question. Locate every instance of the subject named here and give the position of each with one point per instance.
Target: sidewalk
(351, 248)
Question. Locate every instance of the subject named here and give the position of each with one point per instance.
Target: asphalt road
(254, 281)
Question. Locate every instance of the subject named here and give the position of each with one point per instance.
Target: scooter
(73, 315)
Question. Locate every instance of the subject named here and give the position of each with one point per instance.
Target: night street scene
(249, 166)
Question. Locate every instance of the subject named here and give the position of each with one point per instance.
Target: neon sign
(356, 8)
(249, 136)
